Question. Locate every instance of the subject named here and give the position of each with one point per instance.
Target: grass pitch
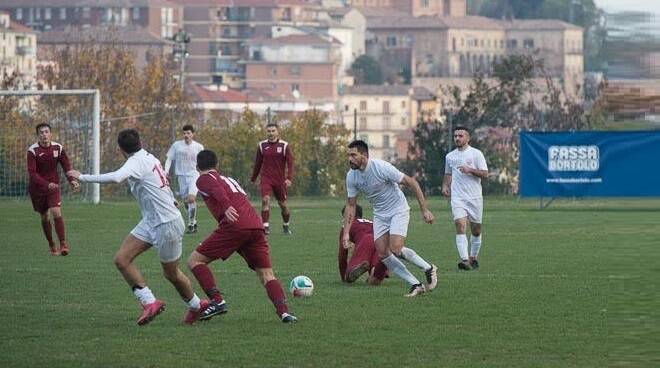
(574, 285)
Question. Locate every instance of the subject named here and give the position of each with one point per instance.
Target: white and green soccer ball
(301, 286)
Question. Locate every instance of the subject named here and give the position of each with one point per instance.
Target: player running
(184, 153)
(379, 181)
(239, 230)
(365, 257)
(272, 158)
(44, 185)
(161, 227)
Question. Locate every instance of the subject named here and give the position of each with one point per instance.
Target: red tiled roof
(128, 35)
(202, 93)
(17, 27)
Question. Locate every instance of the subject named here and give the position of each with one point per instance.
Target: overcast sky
(640, 5)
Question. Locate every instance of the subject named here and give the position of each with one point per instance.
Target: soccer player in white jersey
(161, 227)
(184, 154)
(379, 181)
(465, 166)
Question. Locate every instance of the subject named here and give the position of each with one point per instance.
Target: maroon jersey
(360, 229)
(271, 160)
(42, 165)
(219, 192)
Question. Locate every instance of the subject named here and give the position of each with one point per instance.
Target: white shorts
(396, 224)
(187, 185)
(473, 209)
(167, 238)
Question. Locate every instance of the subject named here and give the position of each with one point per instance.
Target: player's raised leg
(430, 270)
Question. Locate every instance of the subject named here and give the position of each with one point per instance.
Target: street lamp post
(180, 52)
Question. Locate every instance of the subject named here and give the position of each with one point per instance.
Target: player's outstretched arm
(112, 177)
(412, 184)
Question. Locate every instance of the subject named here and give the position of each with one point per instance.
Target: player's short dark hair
(206, 160)
(188, 128)
(39, 126)
(129, 141)
(272, 125)
(462, 128)
(361, 146)
(358, 211)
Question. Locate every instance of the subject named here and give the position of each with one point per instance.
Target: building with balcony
(18, 46)
(383, 116)
(159, 17)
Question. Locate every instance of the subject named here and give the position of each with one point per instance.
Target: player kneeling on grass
(161, 227)
(239, 230)
(365, 257)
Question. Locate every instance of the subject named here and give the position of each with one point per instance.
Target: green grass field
(574, 285)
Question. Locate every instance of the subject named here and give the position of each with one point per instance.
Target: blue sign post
(590, 164)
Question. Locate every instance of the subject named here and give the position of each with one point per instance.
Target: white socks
(193, 303)
(412, 257)
(462, 246)
(144, 295)
(398, 268)
(475, 246)
(192, 208)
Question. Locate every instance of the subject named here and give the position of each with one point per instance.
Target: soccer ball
(301, 286)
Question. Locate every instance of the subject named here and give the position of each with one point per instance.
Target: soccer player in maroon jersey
(239, 230)
(44, 186)
(364, 257)
(273, 156)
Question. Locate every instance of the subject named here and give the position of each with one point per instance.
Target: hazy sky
(641, 5)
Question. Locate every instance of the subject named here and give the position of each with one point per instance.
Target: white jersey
(380, 183)
(465, 186)
(184, 157)
(148, 184)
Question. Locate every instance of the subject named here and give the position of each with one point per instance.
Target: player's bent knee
(265, 275)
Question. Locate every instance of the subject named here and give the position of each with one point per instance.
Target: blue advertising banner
(577, 164)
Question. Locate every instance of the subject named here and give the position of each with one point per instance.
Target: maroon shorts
(251, 244)
(365, 250)
(279, 190)
(41, 201)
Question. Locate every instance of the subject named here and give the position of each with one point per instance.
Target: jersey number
(233, 185)
(163, 179)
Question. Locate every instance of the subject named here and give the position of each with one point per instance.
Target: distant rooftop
(417, 93)
(127, 35)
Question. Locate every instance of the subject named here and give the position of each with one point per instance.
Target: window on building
(425, 3)
(295, 87)
(136, 13)
(346, 107)
(404, 121)
(501, 44)
(386, 107)
(391, 41)
(37, 14)
(363, 105)
(47, 14)
(273, 71)
(512, 44)
(403, 104)
(62, 13)
(363, 124)
(528, 43)
(294, 70)
(19, 13)
(86, 12)
(386, 141)
(387, 122)
(453, 44)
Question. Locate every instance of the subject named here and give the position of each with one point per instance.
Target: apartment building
(18, 45)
